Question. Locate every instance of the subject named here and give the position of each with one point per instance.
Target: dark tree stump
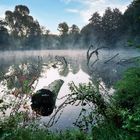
(43, 101)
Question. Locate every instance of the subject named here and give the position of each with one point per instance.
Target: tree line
(19, 30)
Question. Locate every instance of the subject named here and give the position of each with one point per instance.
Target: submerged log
(43, 101)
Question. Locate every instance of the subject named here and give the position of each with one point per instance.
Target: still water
(70, 112)
(77, 72)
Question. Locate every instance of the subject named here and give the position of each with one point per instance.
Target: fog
(108, 70)
(77, 59)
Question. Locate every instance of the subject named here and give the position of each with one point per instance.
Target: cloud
(72, 10)
(100, 8)
(80, 1)
(91, 6)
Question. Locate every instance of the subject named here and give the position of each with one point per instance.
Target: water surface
(77, 72)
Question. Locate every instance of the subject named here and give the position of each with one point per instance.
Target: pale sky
(50, 13)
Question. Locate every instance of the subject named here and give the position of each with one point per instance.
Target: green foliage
(108, 131)
(100, 116)
(131, 17)
(94, 106)
(130, 43)
(74, 29)
(23, 28)
(107, 29)
(43, 134)
(128, 89)
(133, 43)
(4, 36)
(122, 119)
(127, 97)
(111, 25)
(23, 75)
(19, 81)
(26, 87)
(11, 123)
(131, 120)
(63, 28)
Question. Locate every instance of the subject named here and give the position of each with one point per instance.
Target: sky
(50, 13)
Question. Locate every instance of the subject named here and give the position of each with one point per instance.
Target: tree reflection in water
(21, 84)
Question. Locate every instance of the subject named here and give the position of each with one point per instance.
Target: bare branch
(111, 58)
(89, 55)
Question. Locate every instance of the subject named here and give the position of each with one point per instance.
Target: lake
(77, 71)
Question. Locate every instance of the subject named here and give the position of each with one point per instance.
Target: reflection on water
(70, 113)
(75, 70)
(53, 71)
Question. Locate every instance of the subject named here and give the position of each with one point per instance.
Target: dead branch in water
(111, 58)
(128, 61)
(90, 54)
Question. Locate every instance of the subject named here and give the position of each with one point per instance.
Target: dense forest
(20, 31)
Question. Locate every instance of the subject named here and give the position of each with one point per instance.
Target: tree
(95, 21)
(23, 27)
(74, 29)
(74, 35)
(44, 31)
(96, 27)
(34, 36)
(86, 35)
(91, 33)
(132, 18)
(4, 36)
(23, 10)
(63, 28)
(111, 25)
(18, 20)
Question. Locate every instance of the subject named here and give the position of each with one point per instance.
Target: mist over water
(80, 55)
(78, 72)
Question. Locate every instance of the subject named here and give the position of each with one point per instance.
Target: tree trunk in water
(43, 101)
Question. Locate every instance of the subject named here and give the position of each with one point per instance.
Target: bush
(44, 134)
(108, 131)
(127, 94)
(127, 98)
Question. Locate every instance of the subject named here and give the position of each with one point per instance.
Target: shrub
(127, 98)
